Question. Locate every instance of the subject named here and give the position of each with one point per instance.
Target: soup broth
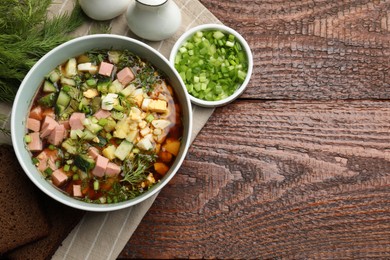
(104, 127)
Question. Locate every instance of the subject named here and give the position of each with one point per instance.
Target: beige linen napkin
(104, 235)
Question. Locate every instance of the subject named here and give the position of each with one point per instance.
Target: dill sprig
(135, 170)
(28, 34)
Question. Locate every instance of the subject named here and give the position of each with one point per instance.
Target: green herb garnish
(135, 170)
(26, 35)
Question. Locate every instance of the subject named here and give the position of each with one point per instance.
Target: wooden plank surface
(297, 168)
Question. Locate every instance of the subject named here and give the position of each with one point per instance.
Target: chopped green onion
(149, 118)
(212, 64)
(102, 121)
(96, 185)
(66, 167)
(75, 177)
(27, 139)
(35, 161)
(52, 147)
(48, 171)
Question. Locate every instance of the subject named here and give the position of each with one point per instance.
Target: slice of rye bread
(22, 220)
(62, 219)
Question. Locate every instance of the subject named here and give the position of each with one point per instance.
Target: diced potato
(145, 144)
(91, 93)
(159, 106)
(121, 129)
(145, 131)
(132, 135)
(161, 123)
(138, 96)
(142, 124)
(145, 104)
(71, 68)
(109, 152)
(135, 114)
(157, 131)
(151, 178)
(87, 67)
(172, 146)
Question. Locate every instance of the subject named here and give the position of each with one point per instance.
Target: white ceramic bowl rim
(18, 127)
(245, 45)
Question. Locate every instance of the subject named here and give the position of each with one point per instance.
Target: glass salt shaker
(153, 20)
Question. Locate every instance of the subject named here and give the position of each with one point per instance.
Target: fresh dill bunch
(27, 35)
(3, 121)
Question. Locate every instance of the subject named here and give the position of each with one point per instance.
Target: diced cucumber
(123, 150)
(54, 76)
(95, 104)
(94, 127)
(63, 99)
(102, 85)
(128, 90)
(117, 115)
(115, 87)
(91, 82)
(110, 125)
(68, 81)
(49, 87)
(48, 100)
(73, 92)
(59, 109)
(70, 146)
(84, 162)
(88, 135)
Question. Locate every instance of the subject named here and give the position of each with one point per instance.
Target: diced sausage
(36, 113)
(49, 112)
(48, 125)
(77, 191)
(125, 76)
(33, 124)
(93, 152)
(59, 177)
(36, 142)
(57, 135)
(105, 69)
(47, 160)
(102, 114)
(112, 169)
(66, 124)
(100, 167)
(76, 121)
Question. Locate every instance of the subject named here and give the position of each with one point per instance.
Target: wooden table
(299, 166)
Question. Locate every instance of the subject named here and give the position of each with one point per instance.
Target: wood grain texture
(298, 168)
(308, 49)
(281, 179)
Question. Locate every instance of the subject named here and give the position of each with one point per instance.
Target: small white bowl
(244, 44)
(102, 10)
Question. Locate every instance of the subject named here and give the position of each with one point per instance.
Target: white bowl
(244, 44)
(58, 55)
(103, 10)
